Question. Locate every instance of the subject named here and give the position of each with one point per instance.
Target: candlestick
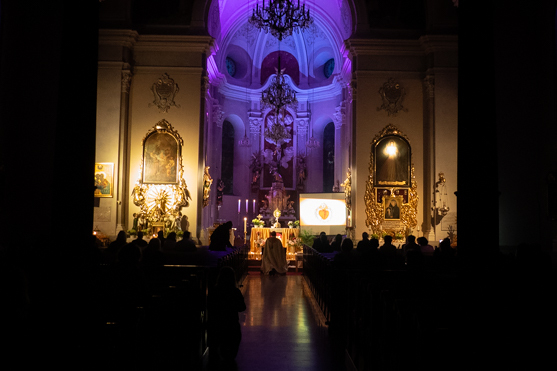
(245, 220)
(238, 206)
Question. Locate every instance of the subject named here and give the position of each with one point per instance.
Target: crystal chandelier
(276, 133)
(279, 94)
(281, 18)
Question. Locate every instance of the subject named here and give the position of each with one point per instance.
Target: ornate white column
(339, 119)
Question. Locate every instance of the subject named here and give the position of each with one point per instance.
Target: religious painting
(392, 162)
(104, 179)
(161, 153)
(392, 207)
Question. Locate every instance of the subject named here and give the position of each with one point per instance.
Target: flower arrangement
(258, 223)
(295, 243)
(399, 236)
(294, 223)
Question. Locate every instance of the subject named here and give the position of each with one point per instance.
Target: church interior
(194, 113)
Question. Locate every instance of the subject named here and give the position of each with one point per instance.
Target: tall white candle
(253, 207)
(238, 206)
(247, 206)
(245, 220)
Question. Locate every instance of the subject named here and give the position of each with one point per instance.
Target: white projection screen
(323, 212)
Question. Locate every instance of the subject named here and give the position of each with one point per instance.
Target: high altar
(288, 237)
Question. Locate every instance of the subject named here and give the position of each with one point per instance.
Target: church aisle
(279, 329)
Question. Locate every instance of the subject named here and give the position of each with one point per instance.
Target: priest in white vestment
(274, 256)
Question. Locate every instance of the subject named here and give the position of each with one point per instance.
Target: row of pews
(158, 318)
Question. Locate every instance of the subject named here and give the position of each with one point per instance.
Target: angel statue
(301, 172)
(347, 185)
(207, 181)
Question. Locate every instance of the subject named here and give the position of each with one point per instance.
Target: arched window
(329, 157)
(227, 159)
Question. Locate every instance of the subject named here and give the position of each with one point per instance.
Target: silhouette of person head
(374, 242)
(121, 236)
(338, 238)
(365, 236)
(445, 245)
(139, 235)
(323, 237)
(388, 239)
(154, 244)
(347, 245)
(411, 239)
(422, 241)
(273, 234)
(171, 236)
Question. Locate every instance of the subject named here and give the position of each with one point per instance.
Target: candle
(247, 206)
(238, 206)
(253, 207)
(245, 220)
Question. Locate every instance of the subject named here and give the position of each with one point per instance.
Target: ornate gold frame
(375, 216)
(159, 201)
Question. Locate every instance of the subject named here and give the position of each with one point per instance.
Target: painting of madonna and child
(392, 162)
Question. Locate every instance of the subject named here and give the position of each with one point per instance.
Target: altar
(288, 237)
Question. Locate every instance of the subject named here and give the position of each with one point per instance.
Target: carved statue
(220, 189)
(347, 184)
(301, 173)
(278, 177)
(255, 167)
(207, 181)
(137, 195)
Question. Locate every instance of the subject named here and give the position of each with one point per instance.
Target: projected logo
(323, 212)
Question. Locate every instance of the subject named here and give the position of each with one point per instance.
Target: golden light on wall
(161, 191)
(391, 184)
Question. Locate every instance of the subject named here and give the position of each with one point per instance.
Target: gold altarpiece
(161, 191)
(391, 195)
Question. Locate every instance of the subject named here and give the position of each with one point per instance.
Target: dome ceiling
(250, 49)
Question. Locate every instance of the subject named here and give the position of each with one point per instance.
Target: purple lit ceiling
(255, 53)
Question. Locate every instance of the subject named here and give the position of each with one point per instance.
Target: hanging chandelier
(276, 133)
(312, 142)
(279, 94)
(245, 141)
(281, 18)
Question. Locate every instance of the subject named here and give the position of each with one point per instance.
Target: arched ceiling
(238, 40)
